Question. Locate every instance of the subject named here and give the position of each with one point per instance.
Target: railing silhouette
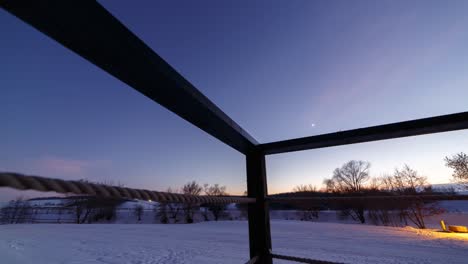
(107, 43)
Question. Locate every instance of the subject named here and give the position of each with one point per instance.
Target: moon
(312, 125)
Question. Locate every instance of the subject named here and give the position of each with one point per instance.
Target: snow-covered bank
(54, 210)
(224, 242)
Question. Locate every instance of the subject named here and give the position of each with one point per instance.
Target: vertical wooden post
(259, 218)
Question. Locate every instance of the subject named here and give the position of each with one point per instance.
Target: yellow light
(459, 229)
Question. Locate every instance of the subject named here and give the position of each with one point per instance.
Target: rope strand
(43, 184)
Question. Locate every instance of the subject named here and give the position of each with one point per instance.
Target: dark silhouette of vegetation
(217, 210)
(138, 211)
(305, 188)
(161, 213)
(191, 188)
(407, 181)
(89, 209)
(17, 211)
(167, 212)
(459, 164)
(350, 178)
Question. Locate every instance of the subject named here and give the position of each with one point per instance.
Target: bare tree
(408, 181)
(305, 188)
(161, 213)
(387, 183)
(174, 210)
(350, 178)
(138, 211)
(16, 212)
(167, 211)
(205, 212)
(214, 190)
(381, 211)
(330, 185)
(191, 188)
(82, 208)
(216, 209)
(459, 164)
(374, 184)
(306, 211)
(92, 208)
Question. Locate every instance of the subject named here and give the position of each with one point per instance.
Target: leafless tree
(306, 211)
(408, 181)
(173, 211)
(380, 212)
(374, 184)
(387, 183)
(161, 214)
(81, 206)
(459, 164)
(305, 188)
(216, 209)
(330, 185)
(350, 178)
(16, 212)
(205, 212)
(90, 209)
(168, 211)
(138, 211)
(191, 188)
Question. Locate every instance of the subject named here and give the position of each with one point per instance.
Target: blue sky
(276, 67)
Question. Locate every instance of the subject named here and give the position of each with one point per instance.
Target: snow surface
(456, 187)
(224, 242)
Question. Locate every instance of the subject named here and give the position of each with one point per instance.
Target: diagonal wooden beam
(423, 126)
(89, 30)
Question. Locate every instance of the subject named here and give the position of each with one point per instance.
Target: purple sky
(281, 69)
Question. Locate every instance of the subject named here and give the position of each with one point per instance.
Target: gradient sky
(281, 69)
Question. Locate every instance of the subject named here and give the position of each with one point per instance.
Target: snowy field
(224, 242)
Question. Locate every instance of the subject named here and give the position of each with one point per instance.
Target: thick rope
(302, 260)
(26, 182)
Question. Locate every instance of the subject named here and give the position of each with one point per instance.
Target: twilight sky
(281, 69)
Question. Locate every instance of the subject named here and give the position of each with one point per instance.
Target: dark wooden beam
(258, 212)
(423, 126)
(89, 30)
(363, 198)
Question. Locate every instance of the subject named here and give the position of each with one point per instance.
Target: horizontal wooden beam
(89, 30)
(423, 126)
(419, 197)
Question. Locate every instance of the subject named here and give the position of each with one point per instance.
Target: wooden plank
(423, 126)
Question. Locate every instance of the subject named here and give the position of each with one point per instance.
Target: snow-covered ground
(456, 187)
(224, 242)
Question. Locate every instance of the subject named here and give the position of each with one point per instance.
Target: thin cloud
(67, 166)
